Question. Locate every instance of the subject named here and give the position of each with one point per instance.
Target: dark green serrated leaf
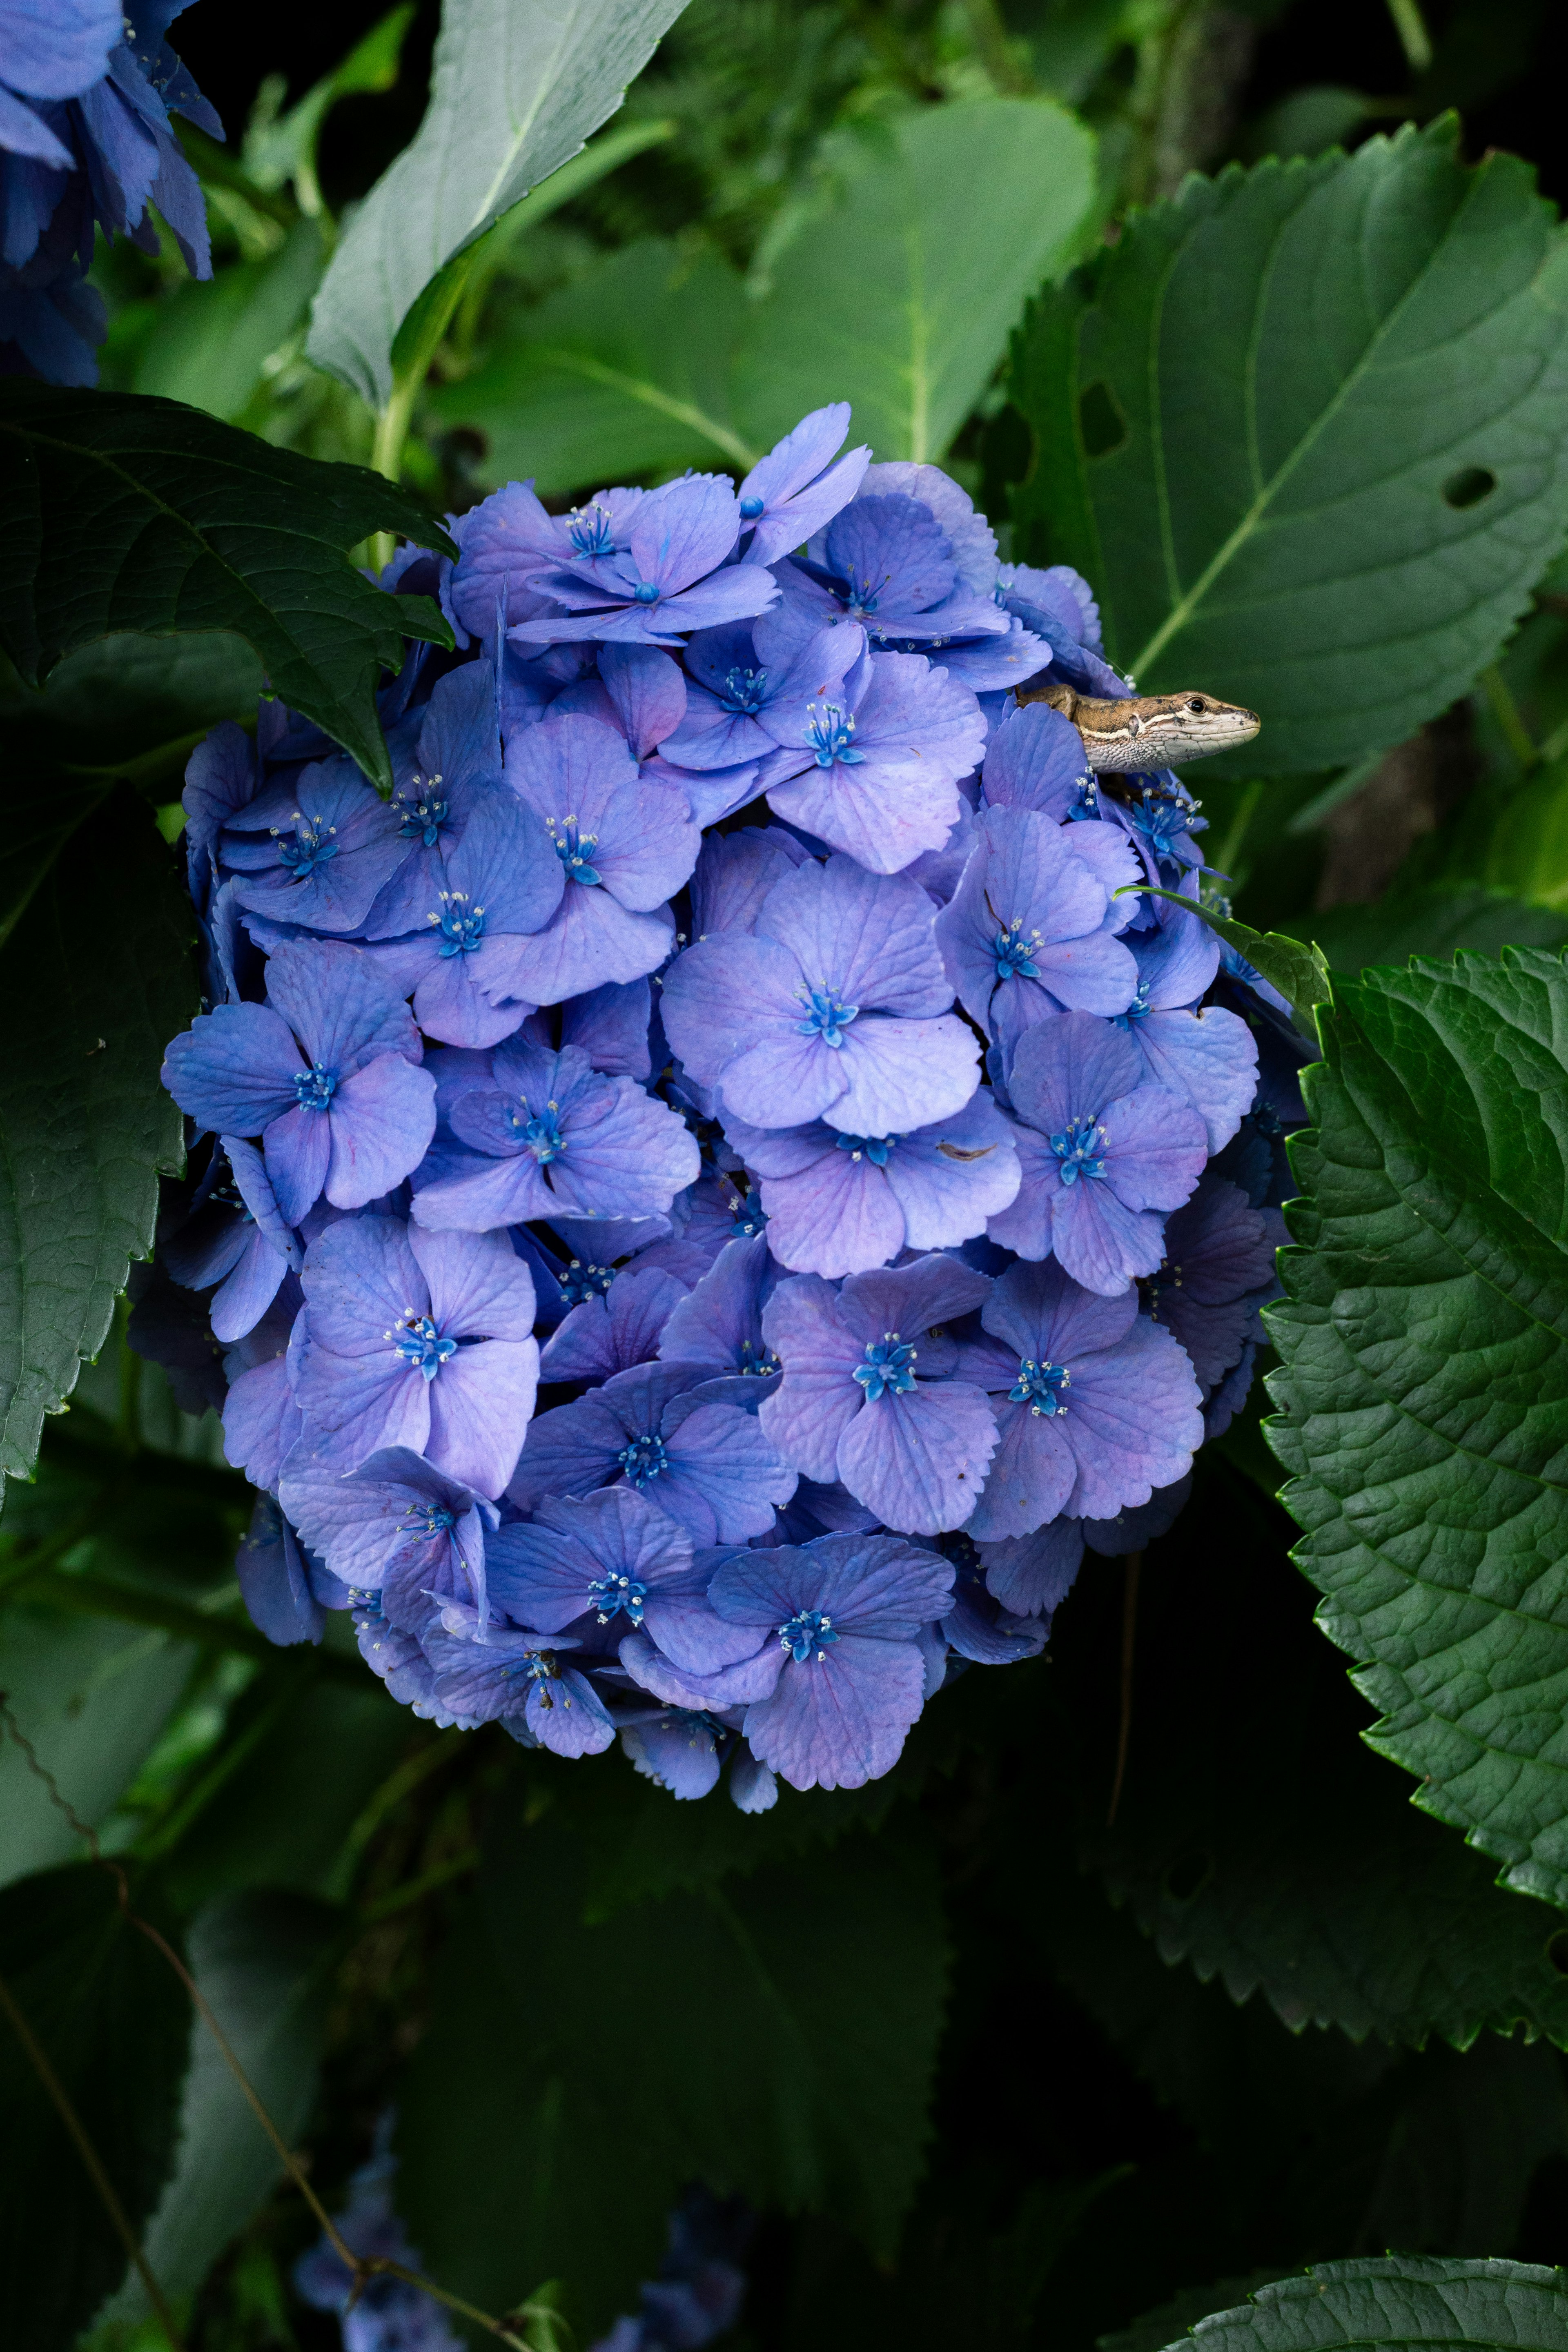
(95, 938)
(1399, 2300)
(1156, 2328)
(128, 513)
(811, 1996)
(1301, 428)
(1423, 1391)
(122, 700)
(262, 1961)
(114, 2023)
(1258, 1840)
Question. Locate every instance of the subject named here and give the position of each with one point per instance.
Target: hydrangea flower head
(670, 576)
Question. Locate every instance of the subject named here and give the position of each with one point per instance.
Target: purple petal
(1210, 1058)
(233, 1070)
(818, 1398)
(1033, 1575)
(608, 1335)
(299, 1151)
(380, 1124)
(838, 1722)
(919, 1459)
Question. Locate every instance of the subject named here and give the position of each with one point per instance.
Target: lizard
(1149, 730)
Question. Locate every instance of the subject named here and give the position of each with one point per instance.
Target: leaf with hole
(125, 513)
(1301, 429)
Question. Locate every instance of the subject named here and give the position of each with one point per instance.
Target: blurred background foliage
(1066, 2078)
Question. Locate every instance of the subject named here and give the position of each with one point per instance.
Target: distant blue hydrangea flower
(1104, 1153)
(836, 1008)
(868, 1396)
(886, 561)
(841, 1203)
(555, 1138)
(420, 1339)
(843, 1615)
(700, 2286)
(708, 1465)
(326, 1072)
(1094, 1406)
(388, 2314)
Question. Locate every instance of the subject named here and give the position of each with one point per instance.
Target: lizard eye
(1196, 706)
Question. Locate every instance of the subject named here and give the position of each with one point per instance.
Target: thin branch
(38, 2060)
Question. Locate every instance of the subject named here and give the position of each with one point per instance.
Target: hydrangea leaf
(1301, 429)
(128, 513)
(1256, 1839)
(1399, 2301)
(900, 295)
(622, 372)
(813, 1990)
(92, 1696)
(113, 2021)
(1294, 967)
(263, 1962)
(95, 936)
(130, 703)
(516, 93)
(1424, 1393)
(209, 342)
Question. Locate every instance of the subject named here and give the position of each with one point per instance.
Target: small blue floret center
(614, 1592)
(460, 923)
(807, 1635)
(574, 849)
(827, 1017)
(889, 1369)
(1014, 954)
(1080, 1148)
(541, 1133)
(830, 735)
(873, 1148)
(644, 1459)
(313, 845)
(415, 1339)
(1040, 1386)
(315, 1086)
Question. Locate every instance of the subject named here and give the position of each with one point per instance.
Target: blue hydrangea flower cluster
(87, 92)
(719, 1187)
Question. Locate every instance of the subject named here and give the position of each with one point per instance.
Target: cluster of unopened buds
(750, 1021)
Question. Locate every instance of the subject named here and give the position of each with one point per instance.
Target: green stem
(1230, 848)
(43, 1554)
(386, 453)
(397, 1785)
(1414, 39)
(401, 1898)
(1505, 710)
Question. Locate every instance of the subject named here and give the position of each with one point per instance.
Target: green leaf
(1423, 1392)
(1300, 429)
(123, 701)
(95, 934)
(113, 2023)
(208, 343)
(1399, 2300)
(1155, 2329)
(1436, 919)
(898, 297)
(813, 1995)
(1258, 1840)
(92, 1696)
(128, 513)
(1297, 971)
(1526, 850)
(515, 95)
(623, 373)
(263, 1962)
(285, 149)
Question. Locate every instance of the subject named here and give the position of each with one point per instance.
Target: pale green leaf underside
(1398, 2300)
(516, 91)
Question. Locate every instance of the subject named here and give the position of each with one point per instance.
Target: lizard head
(1196, 724)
